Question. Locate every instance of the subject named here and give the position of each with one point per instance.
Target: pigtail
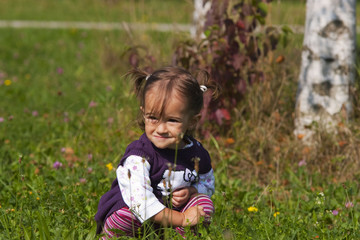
(139, 78)
(204, 79)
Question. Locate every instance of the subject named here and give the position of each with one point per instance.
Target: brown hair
(169, 80)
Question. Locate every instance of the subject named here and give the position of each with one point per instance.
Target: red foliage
(230, 52)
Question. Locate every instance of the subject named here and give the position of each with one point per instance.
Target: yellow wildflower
(7, 82)
(30, 192)
(276, 213)
(13, 210)
(252, 209)
(38, 198)
(109, 166)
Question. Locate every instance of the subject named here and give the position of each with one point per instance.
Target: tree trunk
(201, 7)
(327, 67)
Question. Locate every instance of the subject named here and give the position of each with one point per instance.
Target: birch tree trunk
(201, 7)
(327, 67)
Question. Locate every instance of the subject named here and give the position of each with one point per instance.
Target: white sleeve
(206, 183)
(136, 190)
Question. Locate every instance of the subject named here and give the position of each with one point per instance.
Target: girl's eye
(174, 120)
(151, 119)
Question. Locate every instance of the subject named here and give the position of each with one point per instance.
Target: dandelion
(57, 165)
(335, 212)
(7, 82)
(30, 192)
(12, 210)
(37, 198)
(349, 205)
(276, 213)
(252, 209)
(109, 166)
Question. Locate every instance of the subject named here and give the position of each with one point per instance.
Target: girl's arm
(168, 217)
(135, 187)
(206, 183)
(134, 183)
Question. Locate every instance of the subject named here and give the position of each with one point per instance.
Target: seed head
(164, 183)
(196, 163)
(170, 169)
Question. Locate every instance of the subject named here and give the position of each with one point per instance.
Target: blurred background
(67, 114)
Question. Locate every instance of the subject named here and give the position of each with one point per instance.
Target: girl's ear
(195, 119)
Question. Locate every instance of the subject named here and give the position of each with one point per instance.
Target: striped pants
(126, 222)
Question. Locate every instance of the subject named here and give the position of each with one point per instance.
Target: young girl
(166, 176)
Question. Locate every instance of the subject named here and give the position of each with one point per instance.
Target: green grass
(179, 11)
(46, 117)
(292, 12)
(172, 11)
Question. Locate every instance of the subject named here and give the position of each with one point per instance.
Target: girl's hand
(181, 196)
(192, 216)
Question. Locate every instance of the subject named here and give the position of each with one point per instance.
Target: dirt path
(161, 27)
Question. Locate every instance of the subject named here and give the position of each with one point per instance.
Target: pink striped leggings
(125, 221)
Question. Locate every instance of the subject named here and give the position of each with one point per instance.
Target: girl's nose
(161, 128)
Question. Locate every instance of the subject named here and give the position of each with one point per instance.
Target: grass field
(67, 115)
(172, 11)
(94, 10)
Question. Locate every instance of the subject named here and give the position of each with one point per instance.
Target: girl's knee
(202, 200)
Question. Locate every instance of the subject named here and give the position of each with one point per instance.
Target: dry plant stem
(131, 207)
(262, 193)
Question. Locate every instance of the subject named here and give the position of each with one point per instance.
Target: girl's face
(167, 130)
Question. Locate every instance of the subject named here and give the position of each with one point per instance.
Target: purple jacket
(158, 159)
